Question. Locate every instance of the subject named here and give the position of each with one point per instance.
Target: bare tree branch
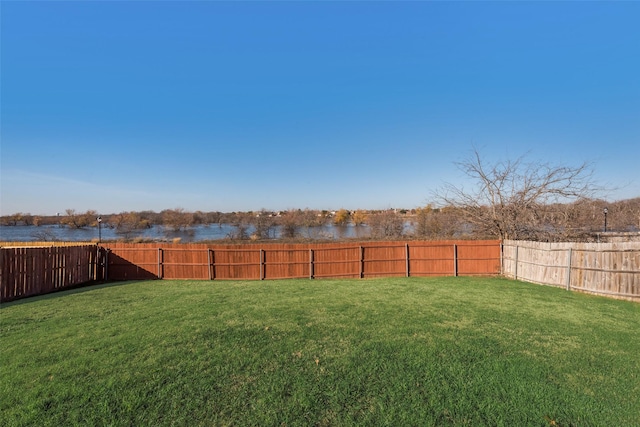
(511, 198)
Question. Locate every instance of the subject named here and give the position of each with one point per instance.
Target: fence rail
(611, 269)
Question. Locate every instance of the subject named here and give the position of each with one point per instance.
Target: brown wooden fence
(30, 271)
(611, 269)
(125, 261)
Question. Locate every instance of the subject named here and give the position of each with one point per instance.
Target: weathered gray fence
(611, 269)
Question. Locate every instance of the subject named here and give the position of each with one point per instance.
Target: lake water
(20, 233)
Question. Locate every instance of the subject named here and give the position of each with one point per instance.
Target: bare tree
(264, 224)
(512, 199)
(44, 236)
(359, 217)
(386, 225)
(241, 222)
(435, 223)
(79, 220)
(128, 223)
(289, 223)
(626, 215)
(341, 217)
(14, 219)
(177, 219)
(312, 221)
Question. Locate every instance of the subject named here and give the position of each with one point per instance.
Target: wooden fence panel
(26, 271)
(381, 261)
(432, 259)
(287, 263)
(606, 272)
(478, 259)
(239, 263)
(611, 269)
(336, 261)
(186, 262)
(133, 262)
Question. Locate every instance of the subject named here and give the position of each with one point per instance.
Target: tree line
(581, 220)
(510, 199)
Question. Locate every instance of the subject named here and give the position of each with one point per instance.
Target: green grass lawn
(400, 352)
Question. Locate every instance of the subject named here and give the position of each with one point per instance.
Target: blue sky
(232, 106)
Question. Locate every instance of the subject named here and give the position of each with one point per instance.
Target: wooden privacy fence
(611, 269)
(30, 271)
(125, 261)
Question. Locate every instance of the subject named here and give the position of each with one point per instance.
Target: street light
(100, 229)
(605, 211)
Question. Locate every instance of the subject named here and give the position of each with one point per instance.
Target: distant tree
(153, 218)
(241, 222)
(12, 220)
(211, 218)
(18, 218)
(426, 223)
(289, 223)
(359, 218)
(71, 219)
(341, 217)
(264, 224)
(79, 220)
(313, 218)
(199, 217)
(177, 219)
(311, 221)
(27, 219)
(438, 223)
(127, 224)
(386, 225)
(570, 221)
(625, 215)
(510, 199)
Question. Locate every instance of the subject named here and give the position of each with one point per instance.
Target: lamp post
(605, 211)
(100, 229)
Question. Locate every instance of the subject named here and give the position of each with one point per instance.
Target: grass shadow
(87, 287)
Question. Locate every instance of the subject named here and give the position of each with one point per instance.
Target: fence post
(310, 263)
(96, 263)
(160, 259)
(569, 269)
(455, 260)
(209, 266)
(361, 262)
(501, 259)
(406, 253)
(106, 264)
(261, 264)
(515, 274)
